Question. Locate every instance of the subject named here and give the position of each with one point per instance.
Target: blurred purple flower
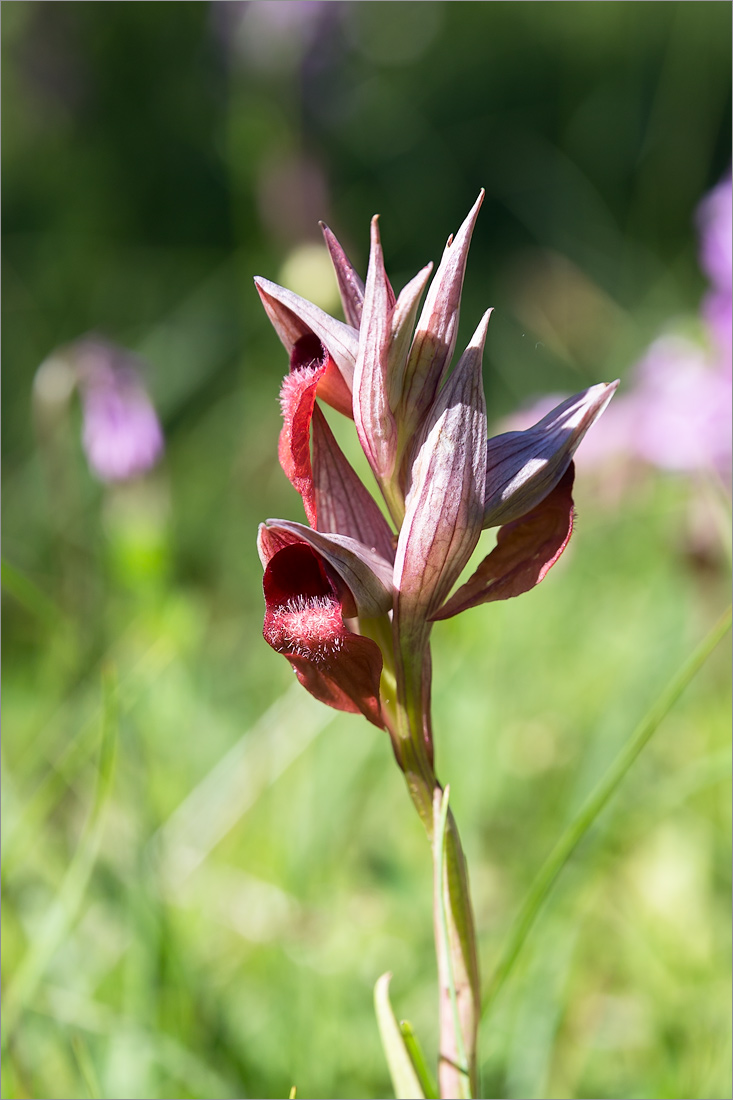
(715, 222)
(676, 412)
(683, 408)
(121, 434)
(268, 35)
(682, 390)
(122, 437)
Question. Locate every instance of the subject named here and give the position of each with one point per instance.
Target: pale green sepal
(404, 1076)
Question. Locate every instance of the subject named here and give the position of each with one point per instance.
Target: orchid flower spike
(353, 575)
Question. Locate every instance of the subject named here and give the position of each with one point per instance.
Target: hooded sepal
(402, 325)
(351, 286)
(304, 620)
(343, 502)
(374, 419)
(271, 539)
(366, 575)
(384, 344)
(435, 337)
(444, 505)
(293, 318)
(524, 467)
(525, 551)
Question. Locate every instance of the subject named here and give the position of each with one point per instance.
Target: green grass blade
(404, 1076)
(593, 805)
(415, 1051)
(28, 594)
(86, 1067)
(68, 901)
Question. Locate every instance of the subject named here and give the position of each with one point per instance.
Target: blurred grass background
(204, 870)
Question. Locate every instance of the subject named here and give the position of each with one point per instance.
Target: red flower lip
(361, 575)
(304, 620)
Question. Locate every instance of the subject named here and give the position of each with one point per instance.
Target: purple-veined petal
(351, 286)
(526, 549)
(293, 317)
(343, 502)
(437, 329)
(523, 467)
(402, 324)
(373, 417)
(444, 506)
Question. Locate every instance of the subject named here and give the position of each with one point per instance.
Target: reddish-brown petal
(343, 502)
(304, 621)
(525, 551)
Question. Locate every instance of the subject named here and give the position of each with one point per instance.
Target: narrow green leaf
(415, 1051)
(593, 805)
(404, 1076)
(86, 1067)
(28, 594)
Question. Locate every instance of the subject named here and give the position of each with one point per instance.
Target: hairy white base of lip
(310, 627)
(309, 603)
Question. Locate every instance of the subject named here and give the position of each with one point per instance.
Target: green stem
(394, 498)
(458, 984)
(455, 937)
